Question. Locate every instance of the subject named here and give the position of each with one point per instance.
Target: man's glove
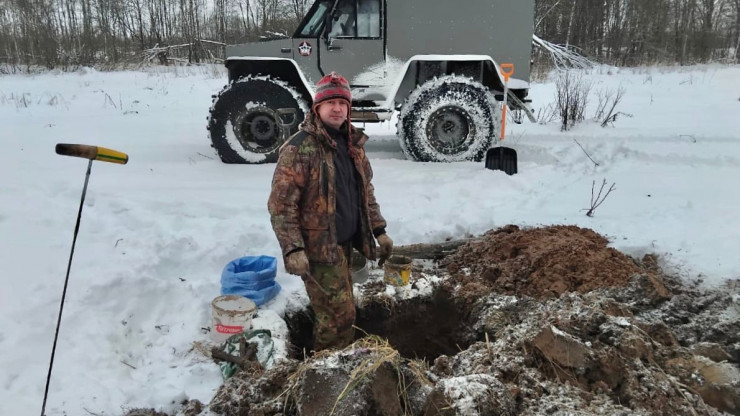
(297, 263)
(386, 248)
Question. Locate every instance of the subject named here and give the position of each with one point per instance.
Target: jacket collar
(313, 126)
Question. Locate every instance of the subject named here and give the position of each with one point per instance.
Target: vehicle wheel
(252, 117)
(448, 119)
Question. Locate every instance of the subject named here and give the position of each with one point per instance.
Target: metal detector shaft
(91, 153)
(66, 281)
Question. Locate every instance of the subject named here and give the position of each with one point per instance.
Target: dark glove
(386, 248)
(297, 263)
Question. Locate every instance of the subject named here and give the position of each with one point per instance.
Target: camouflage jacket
(302, 202)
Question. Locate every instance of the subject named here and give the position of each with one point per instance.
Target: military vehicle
(434, 62)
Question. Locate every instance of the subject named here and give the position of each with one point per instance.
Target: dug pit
(418, 328)
(540, 263)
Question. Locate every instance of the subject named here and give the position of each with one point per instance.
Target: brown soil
(541, 262)
(539, 321)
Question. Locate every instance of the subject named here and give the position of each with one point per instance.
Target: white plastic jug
(232, 314)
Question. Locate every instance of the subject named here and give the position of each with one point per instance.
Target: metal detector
(91, 153)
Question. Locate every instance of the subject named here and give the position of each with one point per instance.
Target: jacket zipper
(325, 179)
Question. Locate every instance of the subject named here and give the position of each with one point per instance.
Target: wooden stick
(242, 347)
(224, 356)
(431, 251)
(245, 361)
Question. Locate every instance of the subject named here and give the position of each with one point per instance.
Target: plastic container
(232, 314)
(358, 266)
(252, 277)
(397, 270)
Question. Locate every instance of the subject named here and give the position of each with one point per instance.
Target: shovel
(503, 158)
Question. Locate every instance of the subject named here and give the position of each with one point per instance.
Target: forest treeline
(108, 33)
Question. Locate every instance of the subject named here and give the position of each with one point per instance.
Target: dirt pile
(545, 321)
(541, 262)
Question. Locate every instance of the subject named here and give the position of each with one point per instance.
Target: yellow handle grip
(92, 152)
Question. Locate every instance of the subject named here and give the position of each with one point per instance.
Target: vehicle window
(368, 18)
(311, 25)
(356, 18)
(343, 20)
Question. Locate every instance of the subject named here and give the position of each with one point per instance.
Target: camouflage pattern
(329, 288)
(302, 202)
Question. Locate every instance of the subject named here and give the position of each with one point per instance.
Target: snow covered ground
(156, 233)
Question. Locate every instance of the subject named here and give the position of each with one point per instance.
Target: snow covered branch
(272, 34)
(164, 54)
(563, 57)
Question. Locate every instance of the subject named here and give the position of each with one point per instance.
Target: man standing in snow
(322, 205)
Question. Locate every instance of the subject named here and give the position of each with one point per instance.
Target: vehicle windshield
(312, 24)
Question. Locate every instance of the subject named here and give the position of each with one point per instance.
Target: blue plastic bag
(252, 277)
(262, 296)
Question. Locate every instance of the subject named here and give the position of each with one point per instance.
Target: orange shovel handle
(503, 123)
(507, 70)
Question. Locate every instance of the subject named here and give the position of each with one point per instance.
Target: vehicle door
(307, 37)
(352, 44)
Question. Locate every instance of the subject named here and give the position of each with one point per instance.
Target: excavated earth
(518, 321)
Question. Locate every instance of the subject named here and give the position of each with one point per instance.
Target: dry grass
(380, 352)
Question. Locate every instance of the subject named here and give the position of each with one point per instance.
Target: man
(322, 205)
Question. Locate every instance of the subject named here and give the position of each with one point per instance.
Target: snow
(156, 233)
(467, 391)
(376, 77)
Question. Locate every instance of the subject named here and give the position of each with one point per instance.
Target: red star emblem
(304, 49)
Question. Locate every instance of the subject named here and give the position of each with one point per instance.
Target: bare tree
(299, 8)
(607, 104)
(598, 199)
(571, 98)
(68, 33)
(734, 46)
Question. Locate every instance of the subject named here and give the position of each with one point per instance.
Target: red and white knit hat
(332, 86)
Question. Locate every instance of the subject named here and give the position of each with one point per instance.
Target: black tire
(449, 119)
(252, 117)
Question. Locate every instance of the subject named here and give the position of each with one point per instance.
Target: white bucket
(358, 266)
(232, 314)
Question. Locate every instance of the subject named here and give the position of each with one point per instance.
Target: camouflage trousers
(330, 290)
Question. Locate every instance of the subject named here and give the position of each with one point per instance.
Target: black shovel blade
(501, 158)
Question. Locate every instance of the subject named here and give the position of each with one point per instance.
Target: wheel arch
(283, 68)
(422, 68)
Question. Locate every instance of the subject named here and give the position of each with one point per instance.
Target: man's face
(333, 112)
